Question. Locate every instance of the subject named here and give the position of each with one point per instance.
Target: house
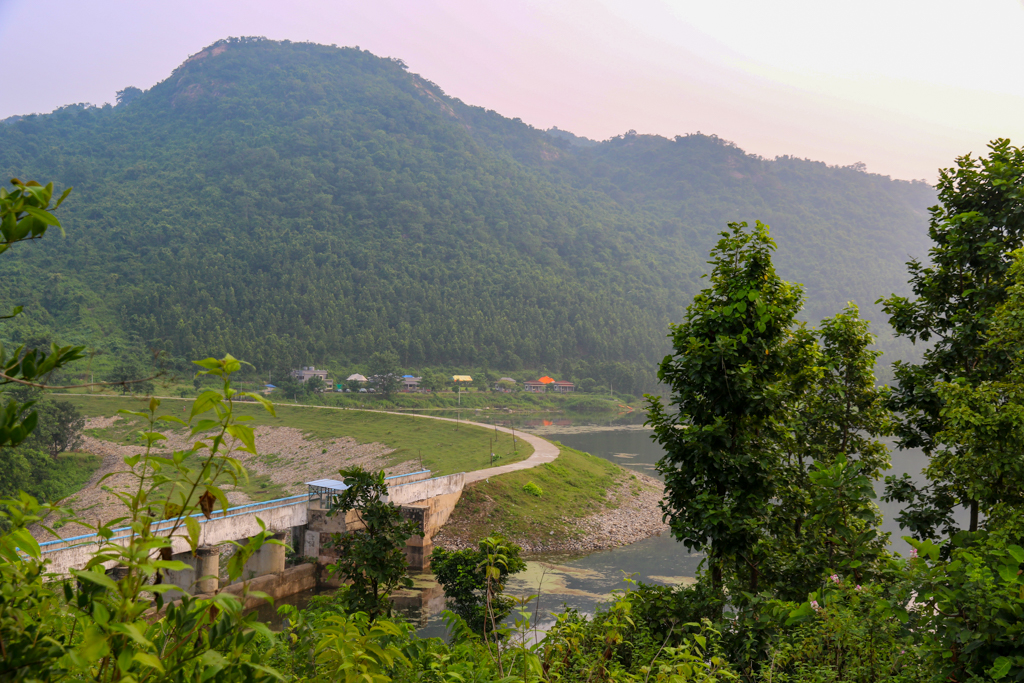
(410, 383)
(308, 372)
(562, 387)
(356, 378)
(535, 386)
(505, 385)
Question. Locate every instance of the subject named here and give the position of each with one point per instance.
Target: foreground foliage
(771, 451)
(96, 626)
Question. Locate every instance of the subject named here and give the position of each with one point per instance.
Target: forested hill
(297, 203)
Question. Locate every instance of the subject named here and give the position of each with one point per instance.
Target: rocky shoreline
(636, 517)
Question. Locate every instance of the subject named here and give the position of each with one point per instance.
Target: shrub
(533, 489)
(476, 597)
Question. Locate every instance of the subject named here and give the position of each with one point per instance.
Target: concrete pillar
(207, 570)
(205, 563)
(267, 560)
(275, 555)
(311, 544)
(417, 552)
(418, 548)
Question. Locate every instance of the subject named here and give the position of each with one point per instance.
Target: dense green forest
(296, 203)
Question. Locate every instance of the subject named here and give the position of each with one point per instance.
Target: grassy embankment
(574, 486)
(442, 447)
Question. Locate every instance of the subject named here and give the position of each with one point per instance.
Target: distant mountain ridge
(295, 203)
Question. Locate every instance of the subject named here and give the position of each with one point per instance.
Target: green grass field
(442, 447)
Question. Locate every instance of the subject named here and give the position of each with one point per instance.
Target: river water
(584, 582)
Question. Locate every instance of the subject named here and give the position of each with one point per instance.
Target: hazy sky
(902, 85)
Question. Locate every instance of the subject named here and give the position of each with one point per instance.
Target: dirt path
(543, 450)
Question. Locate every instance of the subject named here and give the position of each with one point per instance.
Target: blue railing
(235, 511)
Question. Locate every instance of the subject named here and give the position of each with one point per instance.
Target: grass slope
(442, 447)
(572, 487)
(66, 474)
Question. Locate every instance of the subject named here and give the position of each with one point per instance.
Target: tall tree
(978, 222)
(24, 216)
(728, 377)
(978, 451)
(384, 372)
(836, 413)
(371, 558)
(130, 374)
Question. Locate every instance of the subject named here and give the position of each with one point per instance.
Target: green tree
(836, 414)
(977, 453)
(432, 381)
(385, 373)
(729, 381)
(291, 387)
(60, 427)
(372, 557)
(315, 385)
(127, 95)
(130, 375)
(24, 216)
(15, 472)
(463, 575)
(977, 223)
